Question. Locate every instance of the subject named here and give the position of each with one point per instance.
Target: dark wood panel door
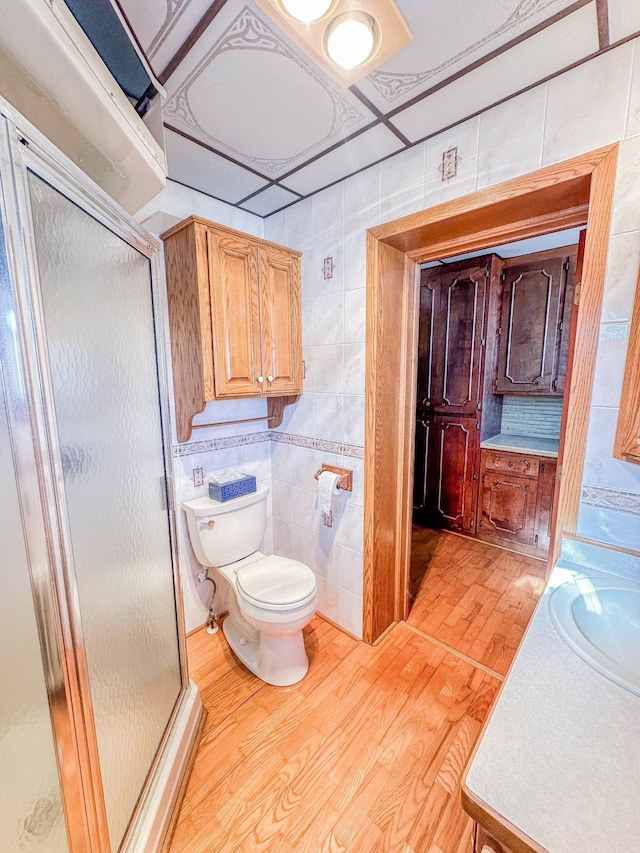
(509, 507)
(427, 354)
(424, 427)
(461, 327)
(452, 479)
(451, 336)
(529, 328)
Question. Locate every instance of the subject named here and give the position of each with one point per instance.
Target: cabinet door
(509, 507)
(429, 297)
(529, 327)
(564, 329)
(280, 321)
(460, 326)
(451, 480)
(235, 316)
(424, 427)
(452, 316)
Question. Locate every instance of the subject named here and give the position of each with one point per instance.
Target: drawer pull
(510, 464)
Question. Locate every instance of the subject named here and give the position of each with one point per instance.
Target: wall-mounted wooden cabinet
(516, 497)
(537, 300)
(234, 313)
(627, 444)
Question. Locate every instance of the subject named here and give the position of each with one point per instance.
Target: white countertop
(522, 444)
(560, 758)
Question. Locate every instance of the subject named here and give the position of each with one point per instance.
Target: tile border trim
(337, 447)
(613, 499)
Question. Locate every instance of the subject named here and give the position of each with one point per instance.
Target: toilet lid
(276, 581)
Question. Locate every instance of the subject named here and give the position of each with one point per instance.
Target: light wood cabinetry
(234, 313)
(537, 300)
(485, 843)
(516, 497)
(627, 443)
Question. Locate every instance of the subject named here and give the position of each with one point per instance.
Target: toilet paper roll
(327, 488)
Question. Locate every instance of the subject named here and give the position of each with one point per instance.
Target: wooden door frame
(566, 195)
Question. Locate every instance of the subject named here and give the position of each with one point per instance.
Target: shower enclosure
(98, 720)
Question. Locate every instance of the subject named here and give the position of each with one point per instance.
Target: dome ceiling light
(306, 11)
(351, 38)
(343, 37)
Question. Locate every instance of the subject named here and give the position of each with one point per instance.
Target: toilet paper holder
(346, 476)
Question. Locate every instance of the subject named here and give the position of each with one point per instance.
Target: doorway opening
(492, 356)
(560, 197)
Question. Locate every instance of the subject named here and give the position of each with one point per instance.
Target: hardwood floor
(366, 753)
(472, 596)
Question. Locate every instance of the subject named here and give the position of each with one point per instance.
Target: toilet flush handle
(210, 523)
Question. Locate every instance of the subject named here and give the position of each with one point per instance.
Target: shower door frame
(41, 487)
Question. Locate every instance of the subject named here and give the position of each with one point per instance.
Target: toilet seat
(276, 583)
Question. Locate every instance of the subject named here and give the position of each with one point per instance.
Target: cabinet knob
(269, 378)
(260, 378)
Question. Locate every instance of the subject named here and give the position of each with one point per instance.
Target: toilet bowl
(272, 598)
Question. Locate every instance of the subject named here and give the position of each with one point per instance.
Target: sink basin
(599, 618)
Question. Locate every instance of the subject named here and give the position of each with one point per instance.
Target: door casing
(566, 195)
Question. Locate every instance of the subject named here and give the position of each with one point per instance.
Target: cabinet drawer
(511, 463)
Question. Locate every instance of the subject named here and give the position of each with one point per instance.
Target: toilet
(273, 598)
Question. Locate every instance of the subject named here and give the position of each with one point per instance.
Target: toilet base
(277, 660)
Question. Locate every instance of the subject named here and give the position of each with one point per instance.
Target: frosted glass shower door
(99, 331)
(30, 804)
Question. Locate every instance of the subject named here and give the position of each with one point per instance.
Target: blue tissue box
(234, 489)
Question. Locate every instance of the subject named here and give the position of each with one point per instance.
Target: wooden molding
(276, 407)
(627, 443)
(564, 195)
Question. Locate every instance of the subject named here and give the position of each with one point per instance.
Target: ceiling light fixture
(351, 39)
(346, 38)
(306, 11)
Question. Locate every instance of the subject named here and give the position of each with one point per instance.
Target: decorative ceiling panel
(269, 200)
(556, 47)
(247, 92)
(193, 165)
(161, 26)
(624, 18)
(358, 153)
(449, 35)
(251, 120)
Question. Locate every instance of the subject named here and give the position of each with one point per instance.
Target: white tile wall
(594, 104)
(584, 108)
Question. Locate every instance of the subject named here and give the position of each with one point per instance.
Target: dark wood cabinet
(451, 337)
(445, 480)
(516, 498)
(536, 304)
(452, 333)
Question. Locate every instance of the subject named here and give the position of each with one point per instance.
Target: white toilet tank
(224, 532)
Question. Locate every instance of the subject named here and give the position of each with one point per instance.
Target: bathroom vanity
(557, 767)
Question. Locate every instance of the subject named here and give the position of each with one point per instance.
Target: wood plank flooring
(472, 596)
(366, 753)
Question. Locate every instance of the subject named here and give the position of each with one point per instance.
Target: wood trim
(586, 344)
(627, 443)
(190, 40)
(387, 442)
(554, 547)
(502, 830)
(602, 12)
(207, 223)
(560, 196)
